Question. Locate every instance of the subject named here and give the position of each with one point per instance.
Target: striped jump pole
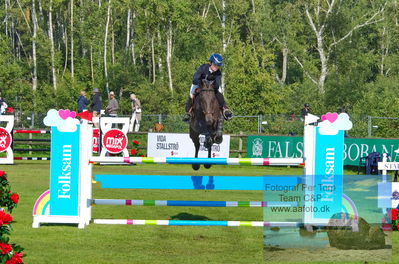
(193, 203)
(194, 223)
(31, 158)
(24, 131)
(29, 150)
(211, 161)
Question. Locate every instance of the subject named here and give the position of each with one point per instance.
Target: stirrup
(227, 114)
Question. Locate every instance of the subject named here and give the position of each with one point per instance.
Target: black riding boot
(187, 116)
(226, 111)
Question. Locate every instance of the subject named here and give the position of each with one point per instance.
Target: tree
(322, 19)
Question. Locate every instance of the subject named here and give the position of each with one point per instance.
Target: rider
(209, 71)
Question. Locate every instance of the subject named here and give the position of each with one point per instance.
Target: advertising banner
(64, 172)
(5, 139)
(328, 182)
(292, 147)
(181, 145)
(114, 141)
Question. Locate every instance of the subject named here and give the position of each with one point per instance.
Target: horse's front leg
(195, 138)
(219, 131)
(208, 144)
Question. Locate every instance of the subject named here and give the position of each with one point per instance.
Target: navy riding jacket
(203, 72)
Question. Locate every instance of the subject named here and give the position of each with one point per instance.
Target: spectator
(112, 108)
(305, 111)
(82, 102)
(3, 106)
(136, 113)
(96, 105)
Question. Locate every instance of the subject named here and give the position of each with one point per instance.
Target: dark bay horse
(207, 119)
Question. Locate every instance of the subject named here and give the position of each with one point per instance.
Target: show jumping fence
(77, 208)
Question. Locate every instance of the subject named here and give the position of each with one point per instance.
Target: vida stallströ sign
(292, 147)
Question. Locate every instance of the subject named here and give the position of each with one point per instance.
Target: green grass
(142, 244)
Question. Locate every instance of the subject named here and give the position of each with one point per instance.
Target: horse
(207, 119)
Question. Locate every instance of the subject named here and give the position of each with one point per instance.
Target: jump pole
(192, 203)
(210, 161)
(71, 194)
(194, 223)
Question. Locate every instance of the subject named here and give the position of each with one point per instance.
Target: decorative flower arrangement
(393, 216)
(135, 149)
(10, 253)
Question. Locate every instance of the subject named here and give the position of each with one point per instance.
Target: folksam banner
(327, 196)
(292, 147)
(64, 172)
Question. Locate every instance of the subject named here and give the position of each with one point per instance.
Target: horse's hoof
(195, 166)
(218, 139)
(207, 166)
(208, 142)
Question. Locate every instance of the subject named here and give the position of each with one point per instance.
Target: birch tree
(72, 43)
(318, 15)
(52, 52)
(105, 47)
(169, 42)
(34, 36)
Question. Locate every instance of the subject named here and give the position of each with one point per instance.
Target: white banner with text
(181, 145)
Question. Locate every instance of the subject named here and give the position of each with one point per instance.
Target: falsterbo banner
(64, 172)
(181, 145)
(292, 147)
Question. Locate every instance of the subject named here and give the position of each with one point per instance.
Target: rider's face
(214, 67)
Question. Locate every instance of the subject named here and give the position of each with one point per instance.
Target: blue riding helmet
(217, 59)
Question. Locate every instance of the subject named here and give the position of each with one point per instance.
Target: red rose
(16, 258)
(394, 214)
(141, 155)
(135, 142)
(2, 173)
(5, 248)
(5, 219)
(10, 109)
(14, 197)
(133, 152)
(397, 226)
